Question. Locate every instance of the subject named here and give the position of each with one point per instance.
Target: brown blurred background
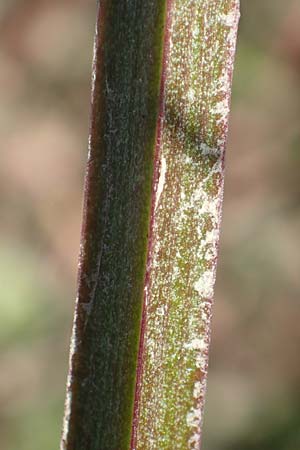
(253, 398)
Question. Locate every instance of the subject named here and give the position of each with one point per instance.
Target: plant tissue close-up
(119, 135)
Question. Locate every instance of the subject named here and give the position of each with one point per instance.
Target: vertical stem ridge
(154, 197)
(185, 226)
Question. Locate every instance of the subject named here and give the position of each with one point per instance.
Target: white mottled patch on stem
(205, 284)
(221, 108)
(197, 389)
(191, 94)
(161, 181)
(196, 344)
(207, 150)
(193, 418)
(228, 19)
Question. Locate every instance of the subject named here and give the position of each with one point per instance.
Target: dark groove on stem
(155, 182)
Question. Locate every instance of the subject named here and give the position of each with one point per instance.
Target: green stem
(126, 81)
(161, 92)
(185, 226)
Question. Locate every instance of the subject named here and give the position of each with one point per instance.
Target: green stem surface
(186, 219)
(153, 196)
(104, 347)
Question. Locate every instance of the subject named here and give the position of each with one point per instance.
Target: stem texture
(104, 346)
(186, 217)
(153, 195)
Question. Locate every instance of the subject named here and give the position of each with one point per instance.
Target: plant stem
(153, 195)
(125, 95)
(185, 226)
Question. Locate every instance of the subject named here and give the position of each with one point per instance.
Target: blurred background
(253, 397)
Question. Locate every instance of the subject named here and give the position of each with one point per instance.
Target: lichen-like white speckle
(191, 94)
(205, 284)
(221, 108)
(194, 441)
(161, 181)
(229, 19)
(207, 150)
(197, 389)
(193, 418)
(196, 344)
